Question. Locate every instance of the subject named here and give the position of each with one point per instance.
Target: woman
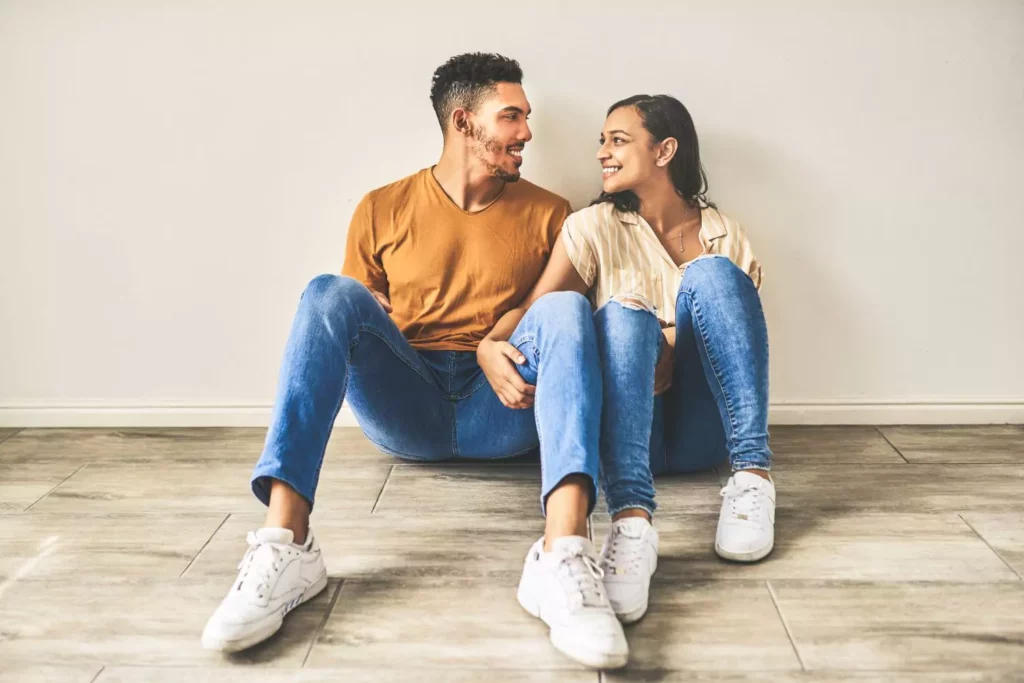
(682, 340)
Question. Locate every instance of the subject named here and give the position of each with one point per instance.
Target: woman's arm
(495, 355)
(559, 276)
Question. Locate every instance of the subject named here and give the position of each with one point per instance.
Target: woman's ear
(666, 151)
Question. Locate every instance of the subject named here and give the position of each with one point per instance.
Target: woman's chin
(611, 187)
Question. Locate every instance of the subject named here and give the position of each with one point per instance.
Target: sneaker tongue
(632, 527)
(568, 545)
(747, 479)
(272, 535)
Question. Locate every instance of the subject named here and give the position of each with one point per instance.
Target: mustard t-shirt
(450, 274)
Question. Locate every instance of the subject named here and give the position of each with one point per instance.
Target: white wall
(173, 173)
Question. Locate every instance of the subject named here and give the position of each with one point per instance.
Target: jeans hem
(740, 466)
(633, 506)
(547, 490)
(262, 491)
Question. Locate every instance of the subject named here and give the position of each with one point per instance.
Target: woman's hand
(498, 360)
(666, 362)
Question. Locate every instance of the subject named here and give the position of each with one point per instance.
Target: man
(432, 264)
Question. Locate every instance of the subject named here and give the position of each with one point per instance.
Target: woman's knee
(627, 317)
(714, 271)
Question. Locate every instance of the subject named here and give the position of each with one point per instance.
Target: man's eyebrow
(517, 110)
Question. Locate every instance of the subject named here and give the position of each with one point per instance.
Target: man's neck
(661, 206)
(470, 187)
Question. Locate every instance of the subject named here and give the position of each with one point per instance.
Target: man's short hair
(465, 80)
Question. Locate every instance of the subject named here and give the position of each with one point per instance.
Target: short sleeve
(558, 217)
(579, 249)
(362, 259)
(742, 254)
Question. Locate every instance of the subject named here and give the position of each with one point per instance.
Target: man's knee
(324, 292)
(569, 308)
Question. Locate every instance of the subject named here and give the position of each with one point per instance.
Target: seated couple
(464, 327)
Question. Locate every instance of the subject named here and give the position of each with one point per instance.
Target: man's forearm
(506, 325)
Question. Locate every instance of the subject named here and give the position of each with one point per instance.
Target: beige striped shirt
(618, 254)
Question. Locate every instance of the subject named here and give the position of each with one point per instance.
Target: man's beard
(485, 146)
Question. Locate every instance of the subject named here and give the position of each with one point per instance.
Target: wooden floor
(899, 557)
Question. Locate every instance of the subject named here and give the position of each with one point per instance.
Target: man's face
(499, 131)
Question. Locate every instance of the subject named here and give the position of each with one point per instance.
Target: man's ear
(460, 121)
(667, 149)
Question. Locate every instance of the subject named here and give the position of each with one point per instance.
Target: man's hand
(498, 360)
(666, 365)
(382, 300)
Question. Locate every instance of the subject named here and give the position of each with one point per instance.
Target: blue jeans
(717, 407)
(430, 405)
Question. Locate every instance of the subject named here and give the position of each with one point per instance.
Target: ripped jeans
(717, 407)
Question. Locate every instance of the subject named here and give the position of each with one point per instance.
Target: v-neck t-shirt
(451, 274)
(617, 253)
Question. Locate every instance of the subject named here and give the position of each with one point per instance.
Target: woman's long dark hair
(665, 117)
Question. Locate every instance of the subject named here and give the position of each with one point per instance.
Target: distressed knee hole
(634, 302)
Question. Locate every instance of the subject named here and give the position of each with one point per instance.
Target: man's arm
(362, 259)
(496, 356)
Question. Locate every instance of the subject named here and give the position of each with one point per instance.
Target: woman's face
(627, 156)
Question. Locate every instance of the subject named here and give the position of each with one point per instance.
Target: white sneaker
(746, 527)
(276, 577)
(629, 558)
(563, 588)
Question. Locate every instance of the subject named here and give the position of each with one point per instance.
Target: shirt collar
(712, 223)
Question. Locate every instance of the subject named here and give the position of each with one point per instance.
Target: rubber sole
(751, 556)
(265, 631)
(591, 658)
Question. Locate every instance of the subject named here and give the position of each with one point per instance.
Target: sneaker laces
(744, 499)
(259, 566)
(622, 552)
(581, 576)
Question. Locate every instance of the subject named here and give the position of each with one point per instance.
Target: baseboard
(195, 414)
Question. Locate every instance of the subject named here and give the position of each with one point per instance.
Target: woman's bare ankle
(288, 510)
(631, 512)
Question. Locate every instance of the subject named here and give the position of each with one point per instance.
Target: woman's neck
(662, 207)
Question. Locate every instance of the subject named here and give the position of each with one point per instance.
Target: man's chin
(507, 175)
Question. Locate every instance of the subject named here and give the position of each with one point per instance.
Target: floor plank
(379, 546)
(144, 622)
(1004, 533)
(216, 486)
(336, 675)
(44, 546)
(874, 546)
(912, 626)
(462, 490)
(434, 623)
(824, 445)
(975, 444)
(23, 484)
(697, 625)
(6, 433)
(812, 677)
(10, 673)
(905, 488)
